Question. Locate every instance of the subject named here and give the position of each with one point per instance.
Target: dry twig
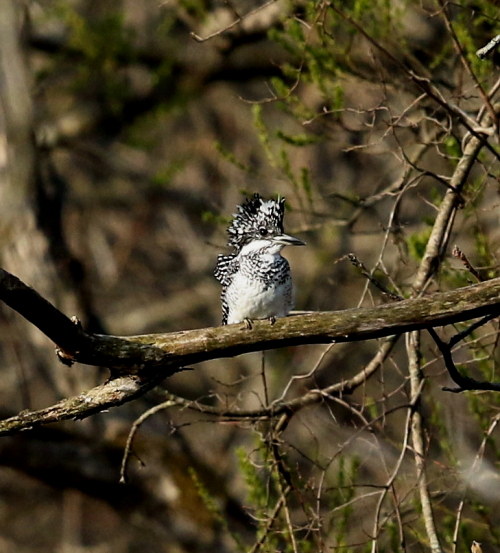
(459, 254)
(485, 50)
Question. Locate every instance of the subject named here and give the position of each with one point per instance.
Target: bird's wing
(226, 266)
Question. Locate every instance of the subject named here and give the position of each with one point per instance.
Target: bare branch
(417, 437)
(173, 351)
(485, 50)
(463, 382)
(239, 19)
(466, 63)
(459, 254)
(364, 271)
(111, 394)
(424, 83)
(138, 363)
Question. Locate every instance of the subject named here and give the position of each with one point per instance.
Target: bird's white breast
(252, 298)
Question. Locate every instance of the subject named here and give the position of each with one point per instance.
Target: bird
(256, 280)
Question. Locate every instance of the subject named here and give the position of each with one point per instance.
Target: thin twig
(464, 383)
(485, 50)
(263, 376)
(364, 271)
(454, 340)
(272, 519)
(424, 83)
(388, 485)
(133, 432)
(466, 64)
(459, 254)
(239, 19)
(479, 456)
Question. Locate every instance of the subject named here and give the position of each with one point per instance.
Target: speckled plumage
(256, 279)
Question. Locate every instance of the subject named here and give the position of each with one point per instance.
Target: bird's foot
(248, 323)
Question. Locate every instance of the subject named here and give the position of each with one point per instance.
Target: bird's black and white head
(259, 224)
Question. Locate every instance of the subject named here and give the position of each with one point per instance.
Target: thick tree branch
(173, 351)
(138, 363)
(113, 393)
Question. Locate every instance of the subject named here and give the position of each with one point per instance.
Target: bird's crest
(256, 219)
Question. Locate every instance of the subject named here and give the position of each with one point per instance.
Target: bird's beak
(287, 240)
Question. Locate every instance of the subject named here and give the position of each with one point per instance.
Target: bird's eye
(263, 231)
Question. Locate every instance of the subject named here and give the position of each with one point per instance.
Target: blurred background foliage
(130, 140)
